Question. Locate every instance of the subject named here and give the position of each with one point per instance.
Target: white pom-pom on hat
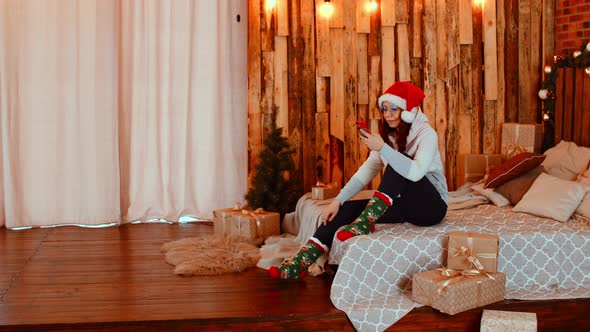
(406, 96)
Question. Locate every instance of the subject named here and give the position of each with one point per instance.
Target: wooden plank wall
(479, 63)
(572, 106)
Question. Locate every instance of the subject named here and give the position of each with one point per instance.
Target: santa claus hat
(406, 96)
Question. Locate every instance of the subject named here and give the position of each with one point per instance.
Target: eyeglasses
(392, 108)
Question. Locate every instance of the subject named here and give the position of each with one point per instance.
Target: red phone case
(362, 125)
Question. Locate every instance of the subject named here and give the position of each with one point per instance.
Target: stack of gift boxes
(516, 138)
(469, 281)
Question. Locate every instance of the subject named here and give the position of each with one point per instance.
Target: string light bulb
(327, 8)
(587, 71)
(548, 69)
(546, 117)
(543, 94)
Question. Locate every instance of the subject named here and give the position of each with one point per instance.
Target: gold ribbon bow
(512, 150)
(256, 215)
(468, 253)
(454, 276)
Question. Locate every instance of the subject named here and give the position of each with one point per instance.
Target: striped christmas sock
(296, 266)
(365, 223)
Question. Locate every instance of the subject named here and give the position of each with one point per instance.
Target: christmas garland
(576, 59)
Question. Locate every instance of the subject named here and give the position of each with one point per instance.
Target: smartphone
(362, 125)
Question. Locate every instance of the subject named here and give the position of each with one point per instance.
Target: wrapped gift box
(466, 249)
(254, 225)
(517, 138)
(508, 321)
(474, 167)
(323, 191)
(462, 293)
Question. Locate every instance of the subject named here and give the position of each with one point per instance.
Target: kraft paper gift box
(462, 292)
(253, 225)
(508, 321)
(517, 138)
(466, 251)
(323, 191)
(474, 167)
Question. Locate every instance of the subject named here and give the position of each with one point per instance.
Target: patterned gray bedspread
(542, 259)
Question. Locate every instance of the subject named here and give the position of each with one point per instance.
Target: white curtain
(58, 111)
(183, 116)
(115, 111)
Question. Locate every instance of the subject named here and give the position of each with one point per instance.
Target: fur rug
(210, 255)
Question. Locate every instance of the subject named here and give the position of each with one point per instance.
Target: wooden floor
(116, 279)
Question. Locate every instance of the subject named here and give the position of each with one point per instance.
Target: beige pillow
(552, 197)
(566, 160)
(584, 207)
(490, 194)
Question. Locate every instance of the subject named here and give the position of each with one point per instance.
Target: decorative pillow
(514, 189)
(552, 197)
(584, 207)
(513, 167)
(566, 160)
(494, 197)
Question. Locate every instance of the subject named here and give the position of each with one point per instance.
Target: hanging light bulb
(546, 117)
(327, 8)
(371, 6)
(547, 69)
(270, 4)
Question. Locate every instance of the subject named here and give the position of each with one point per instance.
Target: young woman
(413, 187)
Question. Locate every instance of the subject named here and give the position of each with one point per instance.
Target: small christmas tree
(274, 187)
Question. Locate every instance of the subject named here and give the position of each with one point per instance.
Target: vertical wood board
(465, 22)
(490, 59)
(403, 52)
(324, 51)
(281, 84)
(387, 56)
(387, 13)
(337, 85)
(363, 70)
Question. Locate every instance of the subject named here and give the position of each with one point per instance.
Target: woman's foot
(296, 266)
(365, 223)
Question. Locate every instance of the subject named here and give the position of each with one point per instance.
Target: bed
(542, 259)
(544, 247)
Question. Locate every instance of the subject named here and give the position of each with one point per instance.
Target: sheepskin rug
(210, 255)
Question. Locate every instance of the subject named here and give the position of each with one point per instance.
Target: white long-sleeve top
(422, 147)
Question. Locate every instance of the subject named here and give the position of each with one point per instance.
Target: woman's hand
(330, 211)
(373, 141)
